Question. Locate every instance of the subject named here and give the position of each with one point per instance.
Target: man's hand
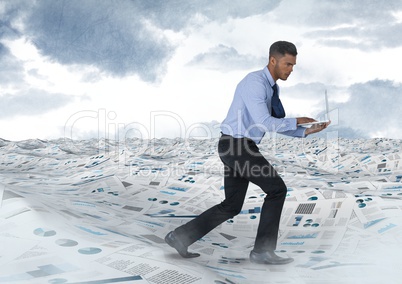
(301, 120)
(317, 128)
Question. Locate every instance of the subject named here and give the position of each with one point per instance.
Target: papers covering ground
(97, 212)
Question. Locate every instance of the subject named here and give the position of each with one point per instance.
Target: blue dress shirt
(249, 114)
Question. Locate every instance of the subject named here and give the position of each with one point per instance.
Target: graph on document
(301, 235)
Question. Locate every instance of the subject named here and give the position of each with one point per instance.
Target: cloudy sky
(166, 68)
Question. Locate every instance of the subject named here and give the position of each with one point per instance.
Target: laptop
(309, 124)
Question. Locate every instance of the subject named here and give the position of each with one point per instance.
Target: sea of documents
(97, 211)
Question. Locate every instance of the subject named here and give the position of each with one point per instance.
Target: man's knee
(277, 188)
(282, 189)
(236, 211)
(230, 209)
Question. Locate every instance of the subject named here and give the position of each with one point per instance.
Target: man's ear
(272, 61)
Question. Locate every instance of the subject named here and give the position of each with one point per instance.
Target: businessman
(255, 110)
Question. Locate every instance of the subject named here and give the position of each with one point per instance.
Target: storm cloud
(120, 38)
(226, 58)
(373, 108)
(353, 24)
(110, 50)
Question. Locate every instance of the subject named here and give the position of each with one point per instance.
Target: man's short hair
(280, 48)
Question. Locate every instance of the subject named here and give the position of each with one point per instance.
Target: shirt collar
(269, 76)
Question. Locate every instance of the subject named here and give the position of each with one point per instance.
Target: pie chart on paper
(66, 243)
(43, 232)
(89, 250)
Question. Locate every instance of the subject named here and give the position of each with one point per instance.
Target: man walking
(255, 110)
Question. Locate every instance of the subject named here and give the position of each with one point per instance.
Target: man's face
(283, 66)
